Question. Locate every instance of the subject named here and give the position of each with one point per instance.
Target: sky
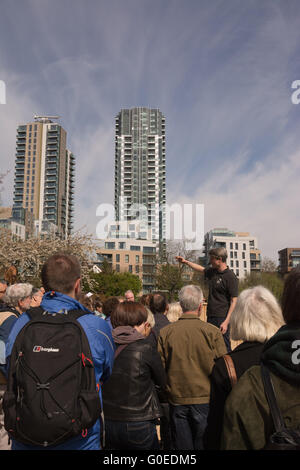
(221, 72)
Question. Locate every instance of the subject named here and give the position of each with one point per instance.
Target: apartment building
(44, 175)
(244, 255)
(140, 171)
(127, 249)
(20, 223)
(288, 259)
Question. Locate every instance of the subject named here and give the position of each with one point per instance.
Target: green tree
(113, 284)
(271, 281)
(169, 278)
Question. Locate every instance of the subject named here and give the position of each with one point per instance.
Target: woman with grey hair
(19, 296)
(18, 299)
(256, 317)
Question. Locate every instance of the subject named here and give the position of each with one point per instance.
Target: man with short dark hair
(223, 290)
(61, 278)
(108, 308)
(159, 306)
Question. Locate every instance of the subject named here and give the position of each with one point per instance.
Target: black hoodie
(281, 353)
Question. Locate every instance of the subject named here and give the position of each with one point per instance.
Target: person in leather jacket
(130, 402)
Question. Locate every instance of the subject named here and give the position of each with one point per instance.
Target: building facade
(243, 254)
(289, 258)
(140, 171)
(126, 251)
(44, 175)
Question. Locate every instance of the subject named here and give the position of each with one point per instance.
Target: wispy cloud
(220, 71)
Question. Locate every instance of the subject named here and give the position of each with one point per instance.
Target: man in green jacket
(188, 349)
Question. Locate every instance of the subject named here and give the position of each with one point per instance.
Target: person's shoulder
(209, 328)
(5, 314)
(168, 327)
(17, 326)
(209, 271)
(250, 382)
(95, 326)
(230, 274)
(95, 321)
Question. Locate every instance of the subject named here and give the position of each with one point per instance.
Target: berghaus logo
(42, 349)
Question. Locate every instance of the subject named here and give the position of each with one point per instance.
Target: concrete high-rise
(44, 175)
(140, 172)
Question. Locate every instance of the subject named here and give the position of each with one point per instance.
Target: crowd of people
(165, 379)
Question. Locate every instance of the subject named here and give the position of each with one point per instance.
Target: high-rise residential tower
(140, 172)
(44, 175)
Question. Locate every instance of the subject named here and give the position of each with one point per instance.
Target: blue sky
(220, 71)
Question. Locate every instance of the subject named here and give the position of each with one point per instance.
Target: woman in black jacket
(256, 317)
(130, 402)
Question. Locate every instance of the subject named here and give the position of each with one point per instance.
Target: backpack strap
(37, 312)
(230, 369)
(5, 315)
(271, 398)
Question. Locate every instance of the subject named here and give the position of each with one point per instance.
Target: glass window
(110, 245)
(126, 258)
(148, 249)
(117, 258)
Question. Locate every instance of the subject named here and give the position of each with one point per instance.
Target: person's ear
(77, 286)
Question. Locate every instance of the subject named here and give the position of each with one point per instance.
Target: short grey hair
(190, 298)
(129, 292)
(257, 315)
(17, 292)
(219, 252)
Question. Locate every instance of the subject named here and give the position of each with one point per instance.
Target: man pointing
(223, 289)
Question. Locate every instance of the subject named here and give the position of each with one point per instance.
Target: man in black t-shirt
(223, 290)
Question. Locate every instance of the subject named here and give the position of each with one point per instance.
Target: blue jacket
(8, 316)
(102, 348)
